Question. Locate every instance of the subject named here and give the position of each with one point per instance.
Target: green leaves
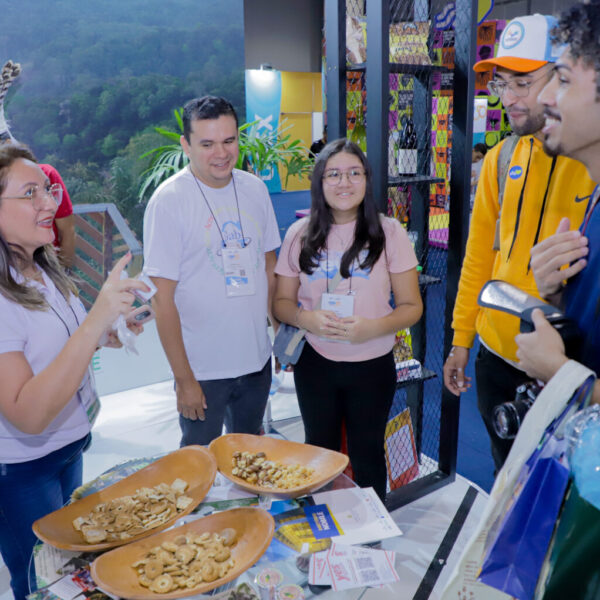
(166, 160)
(259, 151)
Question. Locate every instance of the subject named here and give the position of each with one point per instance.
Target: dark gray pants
(237, 402)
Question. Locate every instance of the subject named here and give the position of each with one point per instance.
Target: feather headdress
(10, 71)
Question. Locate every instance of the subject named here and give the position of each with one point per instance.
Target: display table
(434, 531)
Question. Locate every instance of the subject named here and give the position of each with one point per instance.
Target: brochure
(344, 567)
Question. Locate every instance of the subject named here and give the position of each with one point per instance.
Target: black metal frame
(377, 69)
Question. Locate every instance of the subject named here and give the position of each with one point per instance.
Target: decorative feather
(10, 71)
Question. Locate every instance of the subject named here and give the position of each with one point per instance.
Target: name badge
(341, 304)
(88, 396)
(239, 275)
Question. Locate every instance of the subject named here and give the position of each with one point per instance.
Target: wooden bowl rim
(101, 496)
(234, 573)
(312, 486)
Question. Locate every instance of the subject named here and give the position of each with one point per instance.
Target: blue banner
(263, 104)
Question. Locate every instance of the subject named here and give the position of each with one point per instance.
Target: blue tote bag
(518, 542)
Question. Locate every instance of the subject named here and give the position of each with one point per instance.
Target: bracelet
(297, 317)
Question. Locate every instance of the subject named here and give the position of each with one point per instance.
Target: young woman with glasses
(346, 372)
(47, 397)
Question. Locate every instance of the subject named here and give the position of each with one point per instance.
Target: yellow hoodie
(539, 192)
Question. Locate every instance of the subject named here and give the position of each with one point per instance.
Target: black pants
(359, 393)
(496, 384)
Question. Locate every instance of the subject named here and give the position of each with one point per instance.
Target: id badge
(239, 275)
(88, 396)
(341, 304)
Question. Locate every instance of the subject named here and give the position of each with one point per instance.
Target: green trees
(98, 76)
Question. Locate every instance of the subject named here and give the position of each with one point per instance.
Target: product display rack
(377, 69)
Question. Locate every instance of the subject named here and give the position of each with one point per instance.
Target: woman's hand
(112, 338)
(354, 329)
(323, 323)
(115, 297)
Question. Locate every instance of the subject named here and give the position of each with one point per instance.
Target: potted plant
(259, 152)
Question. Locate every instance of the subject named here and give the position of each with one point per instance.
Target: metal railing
(102, 236)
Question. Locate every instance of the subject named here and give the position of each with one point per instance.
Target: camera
(509, 416)
(505, 297)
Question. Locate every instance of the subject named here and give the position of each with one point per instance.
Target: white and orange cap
(525, 45)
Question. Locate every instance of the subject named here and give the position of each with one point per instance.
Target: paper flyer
(322, 522)
(360, 514)
(293, 529)
(344, 567)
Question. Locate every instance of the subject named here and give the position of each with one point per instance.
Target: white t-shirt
(41, 335)
(223, 337)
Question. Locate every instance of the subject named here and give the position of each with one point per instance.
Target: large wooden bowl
(194, 464)
(113, 572)
(327, 464)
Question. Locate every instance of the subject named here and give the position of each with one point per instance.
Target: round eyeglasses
(334, 177)
(36, 195)
(519, 87)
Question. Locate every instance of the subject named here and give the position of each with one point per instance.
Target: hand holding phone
(140, 315)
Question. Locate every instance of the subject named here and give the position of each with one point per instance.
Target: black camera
(509, 416)
(505, 297)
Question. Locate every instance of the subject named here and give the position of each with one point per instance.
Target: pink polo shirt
(372, 288)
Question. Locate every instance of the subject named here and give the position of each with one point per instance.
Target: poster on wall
(263, 104)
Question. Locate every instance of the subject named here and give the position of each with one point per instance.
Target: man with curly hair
(521, 196)
(572, 108)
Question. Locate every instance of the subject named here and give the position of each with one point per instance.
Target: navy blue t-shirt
(582, 294)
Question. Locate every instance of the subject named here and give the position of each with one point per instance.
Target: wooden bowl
(194, 464)
(327, 464)
(113, 572)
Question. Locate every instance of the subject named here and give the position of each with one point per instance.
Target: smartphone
(140, 315)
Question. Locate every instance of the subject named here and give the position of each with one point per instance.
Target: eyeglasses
(519, 87)
(37, 196)
(334, 177)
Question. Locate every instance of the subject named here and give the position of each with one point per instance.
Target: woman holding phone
(47, 398)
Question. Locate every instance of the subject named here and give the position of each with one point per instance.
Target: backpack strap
(504, 158)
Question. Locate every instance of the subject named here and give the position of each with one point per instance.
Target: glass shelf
(425, 279)
(426, 374)
(413, 179)
(404, 68)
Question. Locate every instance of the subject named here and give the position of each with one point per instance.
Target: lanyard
(213, 214)
(596, 197)
(349, 292)
(60, 317)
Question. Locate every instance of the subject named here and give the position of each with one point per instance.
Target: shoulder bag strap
(504, 158)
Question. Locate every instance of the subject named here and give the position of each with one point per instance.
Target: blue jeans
(29, 491)
(239, 402)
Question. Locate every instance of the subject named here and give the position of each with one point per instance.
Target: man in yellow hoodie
(566, 265)
(538, 191)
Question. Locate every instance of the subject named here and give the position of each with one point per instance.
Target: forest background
(97, 77)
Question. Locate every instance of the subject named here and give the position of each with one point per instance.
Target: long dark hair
(13, 256)
(368, 232)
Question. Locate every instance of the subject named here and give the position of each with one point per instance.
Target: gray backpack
(504, 157)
